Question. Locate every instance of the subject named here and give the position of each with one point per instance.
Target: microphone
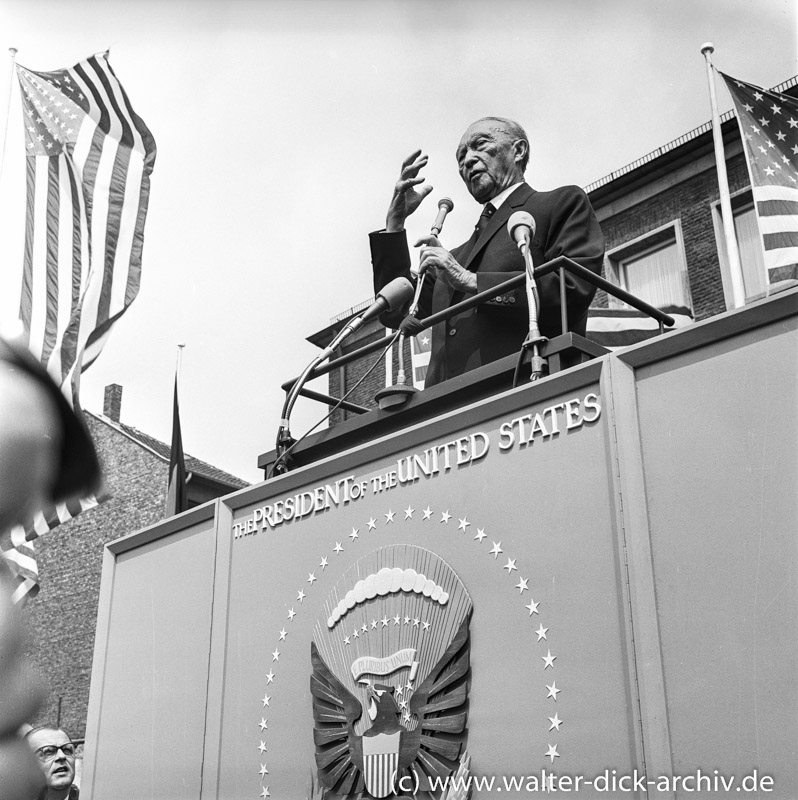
(521, 227)
(391, 297)
(445, 205)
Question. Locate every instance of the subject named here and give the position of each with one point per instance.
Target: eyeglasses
(50, 751)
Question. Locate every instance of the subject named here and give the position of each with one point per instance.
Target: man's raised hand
(406, 198)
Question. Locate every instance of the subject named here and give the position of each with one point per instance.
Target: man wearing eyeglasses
(56, 755)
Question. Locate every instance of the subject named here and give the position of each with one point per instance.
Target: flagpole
(12, 63)
(179, 361)
(733, 254)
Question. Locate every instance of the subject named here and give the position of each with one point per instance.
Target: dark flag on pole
(176, 499)
(769, 127)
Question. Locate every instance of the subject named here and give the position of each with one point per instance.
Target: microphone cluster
(394, 295)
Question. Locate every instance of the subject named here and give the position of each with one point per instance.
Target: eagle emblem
(391, 675)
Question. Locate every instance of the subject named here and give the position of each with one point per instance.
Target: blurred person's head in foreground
(46, 455)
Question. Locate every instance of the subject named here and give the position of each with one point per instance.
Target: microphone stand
(397, 394)
(534, 338)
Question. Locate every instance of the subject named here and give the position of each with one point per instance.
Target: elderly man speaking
(492, 157)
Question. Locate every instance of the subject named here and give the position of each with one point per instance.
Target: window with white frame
(749, 244)
(652, 267)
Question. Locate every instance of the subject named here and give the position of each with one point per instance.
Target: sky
(281, 126)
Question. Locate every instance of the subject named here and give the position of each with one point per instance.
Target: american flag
(419, 357)
(769, 127)
(89, 159)
(17, 543)
(614, 328)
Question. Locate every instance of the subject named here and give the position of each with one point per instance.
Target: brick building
(664, 243)
(61, 619)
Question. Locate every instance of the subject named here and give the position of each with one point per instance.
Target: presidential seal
(391, 675)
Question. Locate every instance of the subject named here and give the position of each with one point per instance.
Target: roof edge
(121, 428)
(695, 133)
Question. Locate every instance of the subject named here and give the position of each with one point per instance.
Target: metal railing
(561, 265)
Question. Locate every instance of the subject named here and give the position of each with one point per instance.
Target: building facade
(61, 619)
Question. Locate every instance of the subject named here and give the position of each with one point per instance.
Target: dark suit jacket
(565, 225)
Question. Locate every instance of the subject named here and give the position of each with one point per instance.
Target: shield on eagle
(380, 761)
(391, 674)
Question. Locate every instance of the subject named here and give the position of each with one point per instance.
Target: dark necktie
(482, 223)
(486, 214)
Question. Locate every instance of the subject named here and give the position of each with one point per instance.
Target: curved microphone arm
(392, 296)
(284, 438)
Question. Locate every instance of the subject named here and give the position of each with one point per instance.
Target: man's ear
(521, 148)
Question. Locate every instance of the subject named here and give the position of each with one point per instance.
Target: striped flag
(21, 560)
(88, 183)
(17, 543)
(419, 357)
(769, 128)
(619, 327)
(89, 160)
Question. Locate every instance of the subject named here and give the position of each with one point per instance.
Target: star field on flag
(420, 354)
(769, 127)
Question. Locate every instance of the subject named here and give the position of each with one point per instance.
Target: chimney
(112, 403)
